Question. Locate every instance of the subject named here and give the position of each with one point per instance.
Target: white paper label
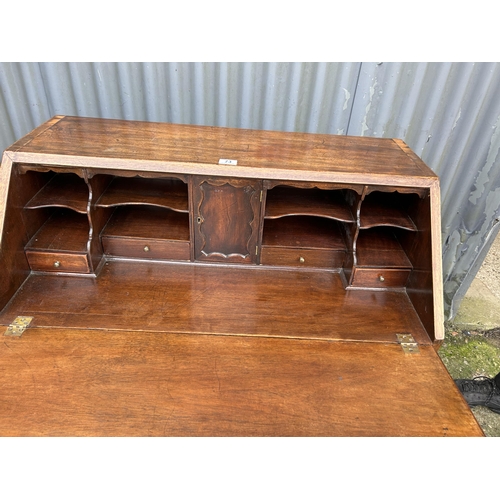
(223, 161)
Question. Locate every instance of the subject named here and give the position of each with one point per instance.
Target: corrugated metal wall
(448, 113)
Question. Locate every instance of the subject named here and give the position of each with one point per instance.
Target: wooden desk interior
(186, 280)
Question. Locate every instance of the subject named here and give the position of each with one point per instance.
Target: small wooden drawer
(380, 278)
(295, 257)
(58, 262)
(140, 248)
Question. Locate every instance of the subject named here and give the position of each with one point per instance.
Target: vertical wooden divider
(98, 217)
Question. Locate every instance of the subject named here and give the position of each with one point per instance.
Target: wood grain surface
(216, 299)
(379, 247)
(57, 382)
(116, 140)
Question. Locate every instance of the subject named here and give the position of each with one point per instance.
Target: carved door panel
(226, 219)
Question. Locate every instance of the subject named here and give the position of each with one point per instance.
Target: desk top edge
(151, 142)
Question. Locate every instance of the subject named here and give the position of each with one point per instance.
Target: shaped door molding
(226, 219)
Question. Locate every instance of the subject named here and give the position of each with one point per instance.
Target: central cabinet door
(226, 219)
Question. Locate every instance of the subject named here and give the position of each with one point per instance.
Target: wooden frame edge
(5, 174)
(437, 261)
(207, 169)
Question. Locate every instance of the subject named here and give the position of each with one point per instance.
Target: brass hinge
(261, 193)
(408, 343)
(18, 326)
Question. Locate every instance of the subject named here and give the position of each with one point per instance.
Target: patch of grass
(469, 355)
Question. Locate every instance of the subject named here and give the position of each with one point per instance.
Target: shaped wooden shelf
(63, 190)
(169, 193)
(385, 209)
(284, 201)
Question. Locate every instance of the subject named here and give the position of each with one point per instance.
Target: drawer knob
(381, 278)
(302, 260)
(57, 264)
(146, 248)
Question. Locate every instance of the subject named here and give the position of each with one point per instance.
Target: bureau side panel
(14, 235)
(420, 286)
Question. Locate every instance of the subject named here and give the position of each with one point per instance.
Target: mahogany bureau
(178, 280)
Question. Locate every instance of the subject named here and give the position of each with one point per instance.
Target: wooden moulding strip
(207, 169)
(5, 171)
(437, 267)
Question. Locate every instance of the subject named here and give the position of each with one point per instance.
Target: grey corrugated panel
(401, 100)
(473, 204)
(279, 96)
(309, 97)
(23, 104)
(448, 113)
(470, 177)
